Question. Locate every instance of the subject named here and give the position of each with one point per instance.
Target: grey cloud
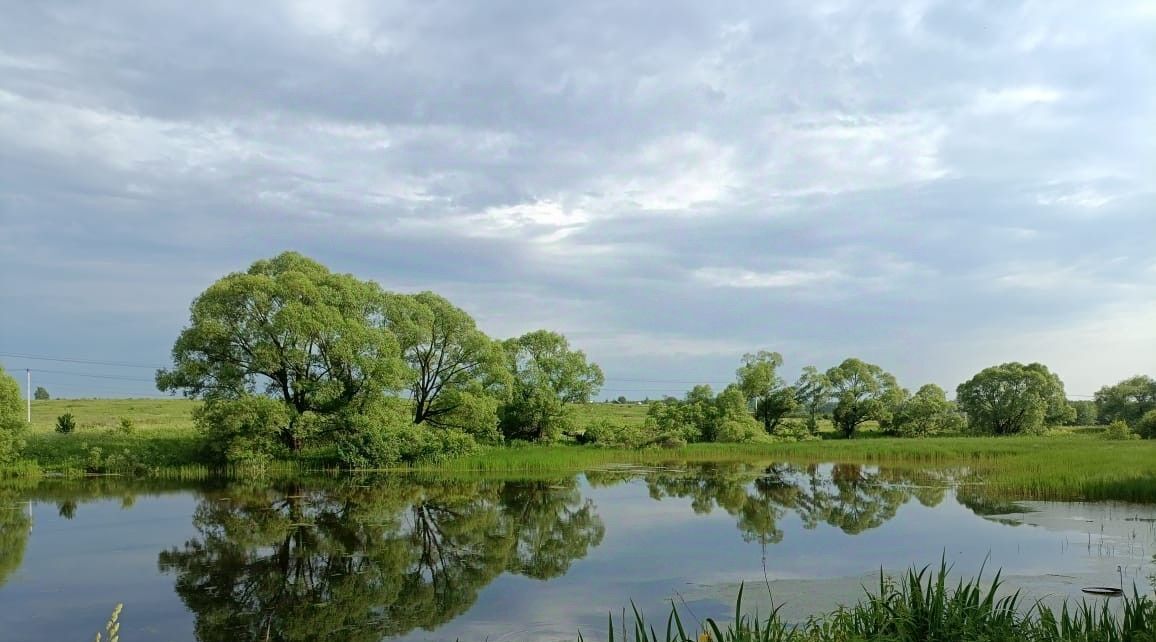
(673, 184)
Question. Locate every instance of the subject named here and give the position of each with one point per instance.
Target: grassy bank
(1072, 465)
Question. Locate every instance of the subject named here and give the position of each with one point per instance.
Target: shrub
(65, 424)
(1118, 430)
(11, 419)
(242, 431)
(371, 444)
(41, 394)
(1146, 427)
(608, 434)
(127, 426)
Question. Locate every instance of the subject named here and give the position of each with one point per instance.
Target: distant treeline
(289, 356)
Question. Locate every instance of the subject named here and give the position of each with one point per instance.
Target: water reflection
(365, 562)
(15, 524)
(371, 559)
(850, 497)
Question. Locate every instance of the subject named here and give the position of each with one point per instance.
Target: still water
(424, 559)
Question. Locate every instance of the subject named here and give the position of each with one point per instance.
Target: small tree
(927, 412)
(41, 394)
(765, 391)
(812, 390)
(11, 420)
(65, 424)
(547, 377)
(1146, 427)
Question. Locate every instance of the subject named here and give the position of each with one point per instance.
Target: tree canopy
(456, 372)
(289, 329)
(812, 390)
(927, 412)
(11, 418)
(547, 376)
(862, 392)
(767, 393)
(1013, 398)
(1127, 400)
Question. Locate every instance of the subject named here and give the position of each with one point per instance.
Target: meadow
(1066, 464)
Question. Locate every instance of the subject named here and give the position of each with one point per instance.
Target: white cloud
(740, 278)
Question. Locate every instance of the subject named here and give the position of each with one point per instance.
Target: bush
(11, 419)
(608, 434)
(127, 426)
(242, 431)
(65, 424)
(1146, 427)
(370, 444)
(1119, 430)
(41, 394)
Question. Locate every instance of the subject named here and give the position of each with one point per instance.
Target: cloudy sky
(932, 186)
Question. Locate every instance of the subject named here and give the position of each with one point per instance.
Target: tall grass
(921, 607)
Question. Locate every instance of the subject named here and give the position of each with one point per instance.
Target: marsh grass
(1068, 464)
(922, 606)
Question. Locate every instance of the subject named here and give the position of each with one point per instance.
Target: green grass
(1066, 465)
(922, 606)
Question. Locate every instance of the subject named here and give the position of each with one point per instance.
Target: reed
(922, 606)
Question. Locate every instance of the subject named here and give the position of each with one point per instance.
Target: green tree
(1146, 426)
(1013, 398)
(291, 330)
(12, 420)
(765, 391)
(1127, 400)
(456, 373)
(547, 378)
(703, 416)
(41, 394)
(927, 412)
(812, 390)
(862, 392)
(1087, 413)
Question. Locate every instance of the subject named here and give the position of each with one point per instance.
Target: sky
(935, 187)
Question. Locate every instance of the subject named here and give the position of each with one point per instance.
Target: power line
(93, 362)
(92, 376)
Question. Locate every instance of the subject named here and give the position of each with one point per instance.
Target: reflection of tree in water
(850, 497)
(367, 562)
(15, 525)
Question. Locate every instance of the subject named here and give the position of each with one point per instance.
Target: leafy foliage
(1128, 400)
(65, 424)
(812, 390)
(11, 419)
(1146, 427)
(293, 331)
(927, 412)
(765, 391)
(547, 376)
(704, 416)
(41, 394)
(1013, 398)
(862, 392)
(1119, 430)
(453, 366)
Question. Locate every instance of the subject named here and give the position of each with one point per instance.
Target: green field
(1066, 464)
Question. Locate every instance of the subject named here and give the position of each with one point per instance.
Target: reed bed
(922, 606)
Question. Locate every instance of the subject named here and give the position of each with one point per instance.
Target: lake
(404, 557)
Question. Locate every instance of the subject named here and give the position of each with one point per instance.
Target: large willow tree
(285, 351)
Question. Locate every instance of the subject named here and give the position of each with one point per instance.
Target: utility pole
(28, 389)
